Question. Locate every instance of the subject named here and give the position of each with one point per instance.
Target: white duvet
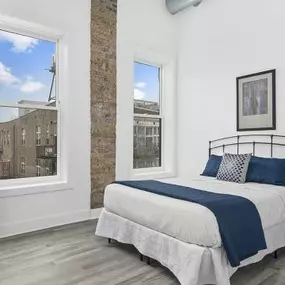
(190, 222)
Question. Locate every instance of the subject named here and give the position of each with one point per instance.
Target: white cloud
(138, 94)
(31, 86)
(29, 77)
(6, 76)
(140, 85)
(20, 43)
(28, 86)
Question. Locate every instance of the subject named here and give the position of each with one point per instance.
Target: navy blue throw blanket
(238, 219)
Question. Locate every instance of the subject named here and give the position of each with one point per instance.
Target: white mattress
(190, 222)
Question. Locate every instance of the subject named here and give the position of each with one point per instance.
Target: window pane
(147, 151)
(27, 70)
(27, 154)
(149, 131)
(146, 89)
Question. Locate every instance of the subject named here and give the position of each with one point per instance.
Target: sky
(24, 76)
(146, 85)
(23, 71)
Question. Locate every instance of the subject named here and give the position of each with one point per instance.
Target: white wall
(21, 213)
(142, 25)
(219, 41)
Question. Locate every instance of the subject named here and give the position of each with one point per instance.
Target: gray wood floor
(73, 255)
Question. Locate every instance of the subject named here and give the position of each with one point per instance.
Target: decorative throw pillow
(266, 170)
(212, 166)
(234, 167)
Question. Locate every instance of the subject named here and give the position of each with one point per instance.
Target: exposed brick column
(103, 96)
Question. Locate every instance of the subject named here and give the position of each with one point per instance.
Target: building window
(38, 135)
(5, 138)
(23, 135)
(147, 116)
(55, 129)
(47, 169)
(47, 134)
(38, 167)
(8, 137)
(28, 100)
(23, 166)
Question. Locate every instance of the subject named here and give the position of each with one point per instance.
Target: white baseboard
(21, 227)
(95, 213)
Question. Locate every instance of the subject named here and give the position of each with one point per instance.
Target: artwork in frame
(256, 103)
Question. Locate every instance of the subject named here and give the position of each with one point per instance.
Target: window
(147, 131)
(147, 116)
(47, 134)
(47, 167)
(23, 134)
(5, 138)
(28, 101)
(8, 138)
(55, 129)
(23, 166)
(38, 135)
(38, 167)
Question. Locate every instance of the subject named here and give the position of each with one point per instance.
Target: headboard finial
(210, 148)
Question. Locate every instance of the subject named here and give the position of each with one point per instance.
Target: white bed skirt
(190, 263)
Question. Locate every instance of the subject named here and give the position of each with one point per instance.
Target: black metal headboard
(223, 143)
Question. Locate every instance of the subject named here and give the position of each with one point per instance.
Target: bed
(184, 236)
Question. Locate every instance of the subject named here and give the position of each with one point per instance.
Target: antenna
(52, 69)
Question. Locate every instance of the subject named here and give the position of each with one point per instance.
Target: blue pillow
(266, 170)
(212, 166)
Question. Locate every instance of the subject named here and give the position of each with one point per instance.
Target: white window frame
(167, 114)
(59, 182)
(159, 118)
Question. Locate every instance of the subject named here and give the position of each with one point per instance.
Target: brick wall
(103, 96)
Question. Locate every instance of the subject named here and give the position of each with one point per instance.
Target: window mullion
(147, 116)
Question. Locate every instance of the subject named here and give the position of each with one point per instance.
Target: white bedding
(190, 222)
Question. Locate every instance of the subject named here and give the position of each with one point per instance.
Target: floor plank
(72, 254)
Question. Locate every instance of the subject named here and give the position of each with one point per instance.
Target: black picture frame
(271, 75)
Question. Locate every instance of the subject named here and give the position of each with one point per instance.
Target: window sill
(35, 188)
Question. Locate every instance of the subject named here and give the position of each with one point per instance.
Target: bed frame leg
(275, 254)
(148, 260)
(109, 240)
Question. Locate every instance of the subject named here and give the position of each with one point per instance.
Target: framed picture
(256, 105)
